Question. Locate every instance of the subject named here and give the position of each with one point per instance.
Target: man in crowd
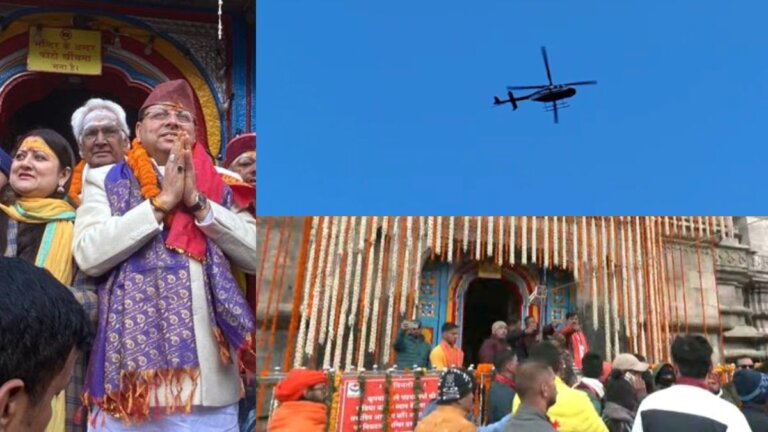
(689, 405)
(715, 384)
(455, 399)
(590, 383)
(575, 340)
(447, 354)
(515, 338)
(241, 157)
(745, 363)
(752, 388)
(302, 396)
(5, 167)
(43, 330)
(633, 370)
(495, 344)
(538, 393)
(503, 387)
(663, 376)
(411, 350)
(573, 411)
(163, 218)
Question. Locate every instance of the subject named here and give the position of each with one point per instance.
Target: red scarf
(184, 234)
(506, 381)
(691, 382)
(579, 347)
(453, 355)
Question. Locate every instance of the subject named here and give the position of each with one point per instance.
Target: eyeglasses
(109, 132)
(160, 115)
(746, 366)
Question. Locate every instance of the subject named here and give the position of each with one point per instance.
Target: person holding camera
(411, 350)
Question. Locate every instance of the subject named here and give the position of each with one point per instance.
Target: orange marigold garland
(76, 187)
(140, 163)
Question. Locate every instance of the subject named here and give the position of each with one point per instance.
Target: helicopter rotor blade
(535, 87)
(580, 83)
(546, 64)
(554, 108)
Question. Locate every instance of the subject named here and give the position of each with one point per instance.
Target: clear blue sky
(385, 107)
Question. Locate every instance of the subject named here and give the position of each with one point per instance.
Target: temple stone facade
(733, 276)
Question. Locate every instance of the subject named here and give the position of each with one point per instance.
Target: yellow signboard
(64, 50)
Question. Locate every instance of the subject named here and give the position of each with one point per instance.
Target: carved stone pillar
(734, 286)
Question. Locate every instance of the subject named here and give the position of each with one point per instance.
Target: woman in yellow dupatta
(36, 223)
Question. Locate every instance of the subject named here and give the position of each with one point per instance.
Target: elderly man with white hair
(102, 135)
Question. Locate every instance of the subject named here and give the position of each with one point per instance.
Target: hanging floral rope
(360, 254)
(331, 272)
(465, 234)
(640, 288)
(351, 253)
(430, 235)
(368, 286)
(524, 241)
(309, 349)
(614, 291)
(406, 264)
(417, 273)
(300, 342)
(299, 293)
(334, 289)
(372, 342)
(438, 235)
(594, 266)
(701, 286)
(451, 227)
(604, 288)
(500, 243)
(564, 247)
(489, 241)
(281, 284)
(534, 241)
(392, 283)
(512, 237)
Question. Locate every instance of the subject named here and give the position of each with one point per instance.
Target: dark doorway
(55, 112)
(485, 302)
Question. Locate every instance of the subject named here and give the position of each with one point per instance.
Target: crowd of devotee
(125, 276)
(546, 379)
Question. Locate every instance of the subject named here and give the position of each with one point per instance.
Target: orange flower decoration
(141, 165)
(76, 187)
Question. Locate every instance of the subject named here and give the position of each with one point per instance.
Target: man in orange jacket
(302, 397)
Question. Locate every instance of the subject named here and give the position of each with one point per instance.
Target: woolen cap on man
(239, 145)
(177, 93)
(751, 385)
(297, 382)
(628, 362)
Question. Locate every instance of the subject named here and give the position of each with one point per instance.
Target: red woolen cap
(177, 92)
(239, 145)
(297, 381)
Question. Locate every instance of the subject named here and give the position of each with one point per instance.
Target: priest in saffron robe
(302, 397)
(447, 354)
(174, 330)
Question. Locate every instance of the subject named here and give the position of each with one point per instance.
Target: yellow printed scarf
(54, 254)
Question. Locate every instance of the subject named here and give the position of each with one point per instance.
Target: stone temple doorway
(486, 301)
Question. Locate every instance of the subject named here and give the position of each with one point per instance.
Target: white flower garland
(650, 258)
(564, 246)
(524, 241)
(546, 242)
(298, 356)
(665, 300)
(451, 228)
(309, 349)
(489, 239)
(722, 225)
(575, 244)
(605, 287)
(356, 286)
(367, 288)
(430, 233)
(593, 285)
(500, 242)
(478, 237)
(335, 292)
(417, 270)
(632, 274)
(666, 226)
(614, 289)
(640, 288)
(465, 234)
(584, 257)
(392, 273)
(379, 286)
(512, 238)
(406, 264)
(534, 238)
(348, 286)
(706, 228)
(330, 274)
(555, 242)
(624, 287)
(439, 237)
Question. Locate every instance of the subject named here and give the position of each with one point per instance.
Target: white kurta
(103, 241)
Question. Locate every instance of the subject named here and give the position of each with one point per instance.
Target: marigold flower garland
(451, 235)
(512, 236)
(534, 238)
(348, 287)
(372, 341)
(524, 241)
(318, 286)
(555, 243)
(333, 417)
(417, 269)
(478, 237)
(640, 287)
(500, 243)
(605, 288)
(594, 264)
(430, 234)
(141, 164)
(335, 291)
(76, 186)
(438, 235)
(406, 264)
(392, 283)
(489, 241)
(614, 291)
(368, 288)
(465, 234)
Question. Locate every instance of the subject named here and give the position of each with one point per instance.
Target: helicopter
(546, 93)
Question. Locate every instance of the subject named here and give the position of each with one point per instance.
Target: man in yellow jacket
(573, 411)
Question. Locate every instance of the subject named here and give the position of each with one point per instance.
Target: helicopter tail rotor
(512, 100)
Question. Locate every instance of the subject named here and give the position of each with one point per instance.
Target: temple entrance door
(486, 301)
